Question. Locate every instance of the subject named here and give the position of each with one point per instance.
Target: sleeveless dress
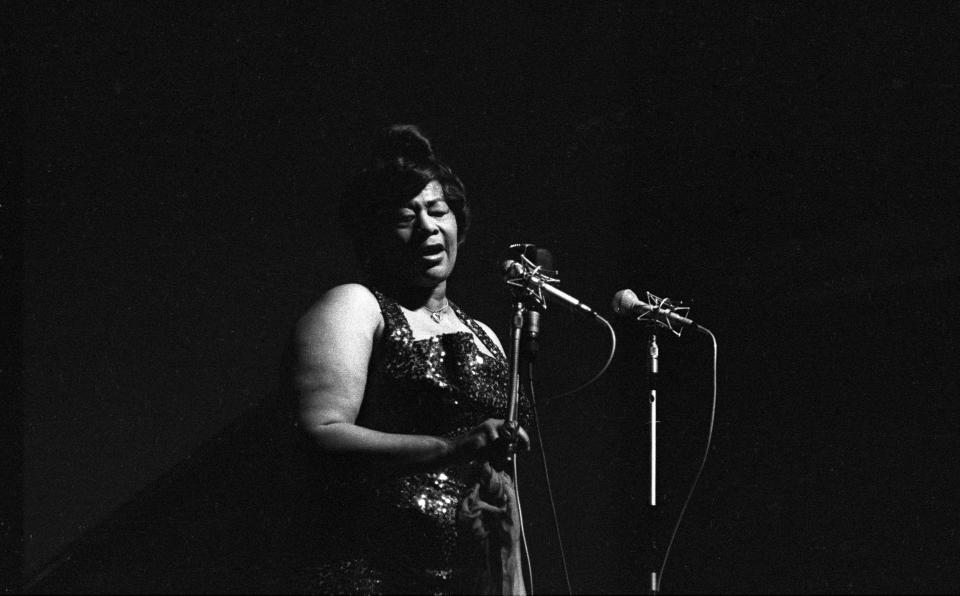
(448, 531)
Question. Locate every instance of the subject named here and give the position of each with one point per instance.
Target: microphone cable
(543, 459)
(523, 529)
(546, 476)
(703, 461)
(606, 365)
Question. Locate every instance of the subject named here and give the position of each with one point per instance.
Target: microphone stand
(511, 426)
(665, 314)
(652, 368)
(524, 344)
(525, 326)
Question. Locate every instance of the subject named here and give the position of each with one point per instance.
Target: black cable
(523, 529)
(713, 411)
(546, 475)
(613, 349)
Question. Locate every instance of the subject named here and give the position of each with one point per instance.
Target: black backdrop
(788, 169)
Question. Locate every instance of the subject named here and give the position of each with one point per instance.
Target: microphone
(626, 303)
(536, 283)
(543, 259)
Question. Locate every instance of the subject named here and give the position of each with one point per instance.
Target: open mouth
(433, 250)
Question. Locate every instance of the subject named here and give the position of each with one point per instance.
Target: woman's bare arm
(334, 343)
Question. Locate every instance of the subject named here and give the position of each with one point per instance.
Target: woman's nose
(426, 223)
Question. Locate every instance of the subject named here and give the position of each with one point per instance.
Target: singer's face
(424, 236)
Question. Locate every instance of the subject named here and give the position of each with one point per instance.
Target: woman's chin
(418, 274)
(428, 281)
(431, 276)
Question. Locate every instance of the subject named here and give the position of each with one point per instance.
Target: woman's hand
(488, 440)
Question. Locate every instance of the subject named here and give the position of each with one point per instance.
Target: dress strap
(478, 331)
(394, 321)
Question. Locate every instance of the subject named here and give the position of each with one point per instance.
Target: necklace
(435, 314)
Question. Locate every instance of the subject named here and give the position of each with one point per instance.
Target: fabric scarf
(489, 532)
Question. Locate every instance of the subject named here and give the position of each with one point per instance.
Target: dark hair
(402, 164)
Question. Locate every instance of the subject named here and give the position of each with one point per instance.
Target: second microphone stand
(652, 370)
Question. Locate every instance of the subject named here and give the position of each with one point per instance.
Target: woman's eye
(439, 212)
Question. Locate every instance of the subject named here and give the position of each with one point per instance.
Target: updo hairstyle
(402, 164)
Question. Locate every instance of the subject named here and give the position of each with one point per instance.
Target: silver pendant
(435, 316)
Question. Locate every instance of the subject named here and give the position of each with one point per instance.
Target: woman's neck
(414, 297)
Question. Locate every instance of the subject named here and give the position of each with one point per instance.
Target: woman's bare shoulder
(344, 306)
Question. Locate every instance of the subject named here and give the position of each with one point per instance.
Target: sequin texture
(441, 386)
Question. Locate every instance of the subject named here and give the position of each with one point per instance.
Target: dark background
(789, 170)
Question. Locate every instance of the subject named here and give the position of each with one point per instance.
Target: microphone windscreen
(509, 267)
(624, 302)
(515, 253)
(516, 259)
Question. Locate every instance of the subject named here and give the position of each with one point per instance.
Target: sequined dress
(410, 531)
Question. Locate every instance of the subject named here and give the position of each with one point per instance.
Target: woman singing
(408, 394)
